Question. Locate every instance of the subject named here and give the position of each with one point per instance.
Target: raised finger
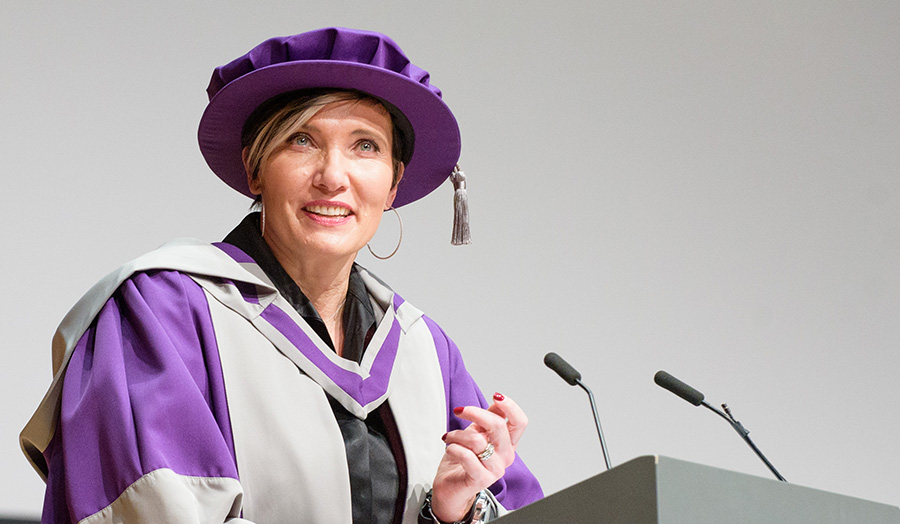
(516, 420)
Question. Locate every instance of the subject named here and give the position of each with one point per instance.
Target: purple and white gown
(186, 389)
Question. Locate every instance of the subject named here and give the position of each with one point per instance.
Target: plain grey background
(710, 188)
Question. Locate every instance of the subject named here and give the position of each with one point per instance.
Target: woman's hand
(461, 473)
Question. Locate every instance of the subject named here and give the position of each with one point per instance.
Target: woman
(269, 378)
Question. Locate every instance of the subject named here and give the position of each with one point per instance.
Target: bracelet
(478, 514)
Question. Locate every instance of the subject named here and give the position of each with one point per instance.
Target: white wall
(702, 187)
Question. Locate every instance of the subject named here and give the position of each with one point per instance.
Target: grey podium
(662, 490)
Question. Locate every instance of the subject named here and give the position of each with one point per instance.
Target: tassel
(461, 235)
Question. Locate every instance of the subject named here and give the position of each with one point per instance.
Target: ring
(487, 453)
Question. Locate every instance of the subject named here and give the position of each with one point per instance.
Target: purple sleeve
(518, 487)
(143, 391)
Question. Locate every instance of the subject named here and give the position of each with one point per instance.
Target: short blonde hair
(273, 123)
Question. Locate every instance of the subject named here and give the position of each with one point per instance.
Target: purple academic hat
(332, 58)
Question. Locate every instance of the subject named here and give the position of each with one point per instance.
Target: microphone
(696, 398)
(573, 378)
(678, 387)
(562, 368)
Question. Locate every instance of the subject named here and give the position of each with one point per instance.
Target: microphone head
(678, 387)
(562, 368)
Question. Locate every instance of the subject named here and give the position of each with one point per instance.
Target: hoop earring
(400, 220)
(262, 218)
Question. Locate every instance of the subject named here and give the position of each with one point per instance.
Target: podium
(662, 490)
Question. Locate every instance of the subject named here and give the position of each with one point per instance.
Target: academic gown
(187, 389)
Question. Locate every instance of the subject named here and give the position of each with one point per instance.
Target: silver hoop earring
(398, 242)
(262, 218)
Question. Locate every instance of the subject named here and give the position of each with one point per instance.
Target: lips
(331, 211)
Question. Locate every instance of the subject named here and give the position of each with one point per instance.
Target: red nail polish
(457, 411)
(498, 397)
(444, 437)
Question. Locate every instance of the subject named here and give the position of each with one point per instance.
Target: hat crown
(329, 44)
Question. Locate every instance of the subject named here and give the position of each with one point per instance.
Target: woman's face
(325, 190)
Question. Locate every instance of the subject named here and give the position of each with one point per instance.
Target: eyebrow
(356, 132)
(368, 132)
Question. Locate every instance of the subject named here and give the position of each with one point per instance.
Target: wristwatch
(482, 511)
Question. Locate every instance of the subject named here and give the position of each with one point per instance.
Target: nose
(332, 173)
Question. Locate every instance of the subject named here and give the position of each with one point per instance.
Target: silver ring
(487, 453)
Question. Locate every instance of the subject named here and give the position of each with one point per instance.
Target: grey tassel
(461, 235)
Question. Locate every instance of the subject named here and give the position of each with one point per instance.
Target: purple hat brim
(437, 139)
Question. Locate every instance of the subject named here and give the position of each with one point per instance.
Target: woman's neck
(324, 281)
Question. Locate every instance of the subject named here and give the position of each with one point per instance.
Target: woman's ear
(252, 181)
(393, 194)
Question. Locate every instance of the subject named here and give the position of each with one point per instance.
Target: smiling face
(326, 188)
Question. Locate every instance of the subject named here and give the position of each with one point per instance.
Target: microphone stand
(596, 421)
(743, 432)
